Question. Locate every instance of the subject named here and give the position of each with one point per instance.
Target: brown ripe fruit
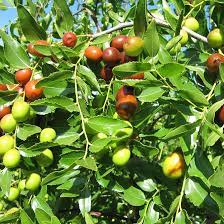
(124, 91)
(4, 110)
(3, 87)
(93, 53)
(69, 39)
(221, 115)
(118, 42)
(106, 73)
(214, 61)
(124, 58)
(135, 76)
(33, 51)
(33, 93)
(111, 55)
(23, 75)
(126, 106)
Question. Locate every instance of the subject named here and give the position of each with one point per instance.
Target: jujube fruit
(118, 42)
(13, 194)
(69, 39)
(184, 38)
(136, 76)
(173, 165)
(220, 115)
(216, 38)
(33, 51)
(213, 62)
(33, 93)
(94, 53)
(22, 185)
(20, 111)
(47, 135)
(23, 76)
(3, 87)
(4, 110)
(133, 46)
(121, 155)
(99, 136)
(6, 143)
(192, 24)
(124, 91)
(33, 182)
(11, 158)
(126, 106)
(111, 55)
(46, 158)
(106, 73)
(8, 123)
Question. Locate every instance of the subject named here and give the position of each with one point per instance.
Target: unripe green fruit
(215, 38)
(20, 111)
(121, 156)
(8, 123)
(184, 38)
(46, 158)
(13, 194)
(47, 135)
(192, 24)
(22, 185)
(173, 166)
(6, 143)
(133, 46)
(33, 182)
(11, 159)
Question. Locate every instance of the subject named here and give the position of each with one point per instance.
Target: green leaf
(140, 21)
(182, 130)
(151, 94)
(27, 130)
(25, 219)
(151, 40)
(6, 77)
(88, 163)
(56, 76)
(64, 19)
(221, 71)
(99, 145)
(35, 149)
(7, 96)
(31, 29)
(5, 181)
(134, 196)
(39, 203)
(67, 137)
(88, 218)
(171, 69)
(195, 192)
(152, 216)
(217, 178)
(58, 102)
(169, 15)
(89, 76)
(147, 185)
(107, 125)
(14, 53)
(182, 218)
(130, 68)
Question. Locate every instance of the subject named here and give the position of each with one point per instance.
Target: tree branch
(158, 21)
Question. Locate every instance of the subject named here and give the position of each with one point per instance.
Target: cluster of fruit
(11, 159)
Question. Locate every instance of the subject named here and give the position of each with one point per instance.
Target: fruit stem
(181, 197)
(193, 8)
(108, 93)
(80, 110)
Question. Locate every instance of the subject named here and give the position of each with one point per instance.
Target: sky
(6, 16)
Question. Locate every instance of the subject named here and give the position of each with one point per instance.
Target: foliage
(178, 101)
